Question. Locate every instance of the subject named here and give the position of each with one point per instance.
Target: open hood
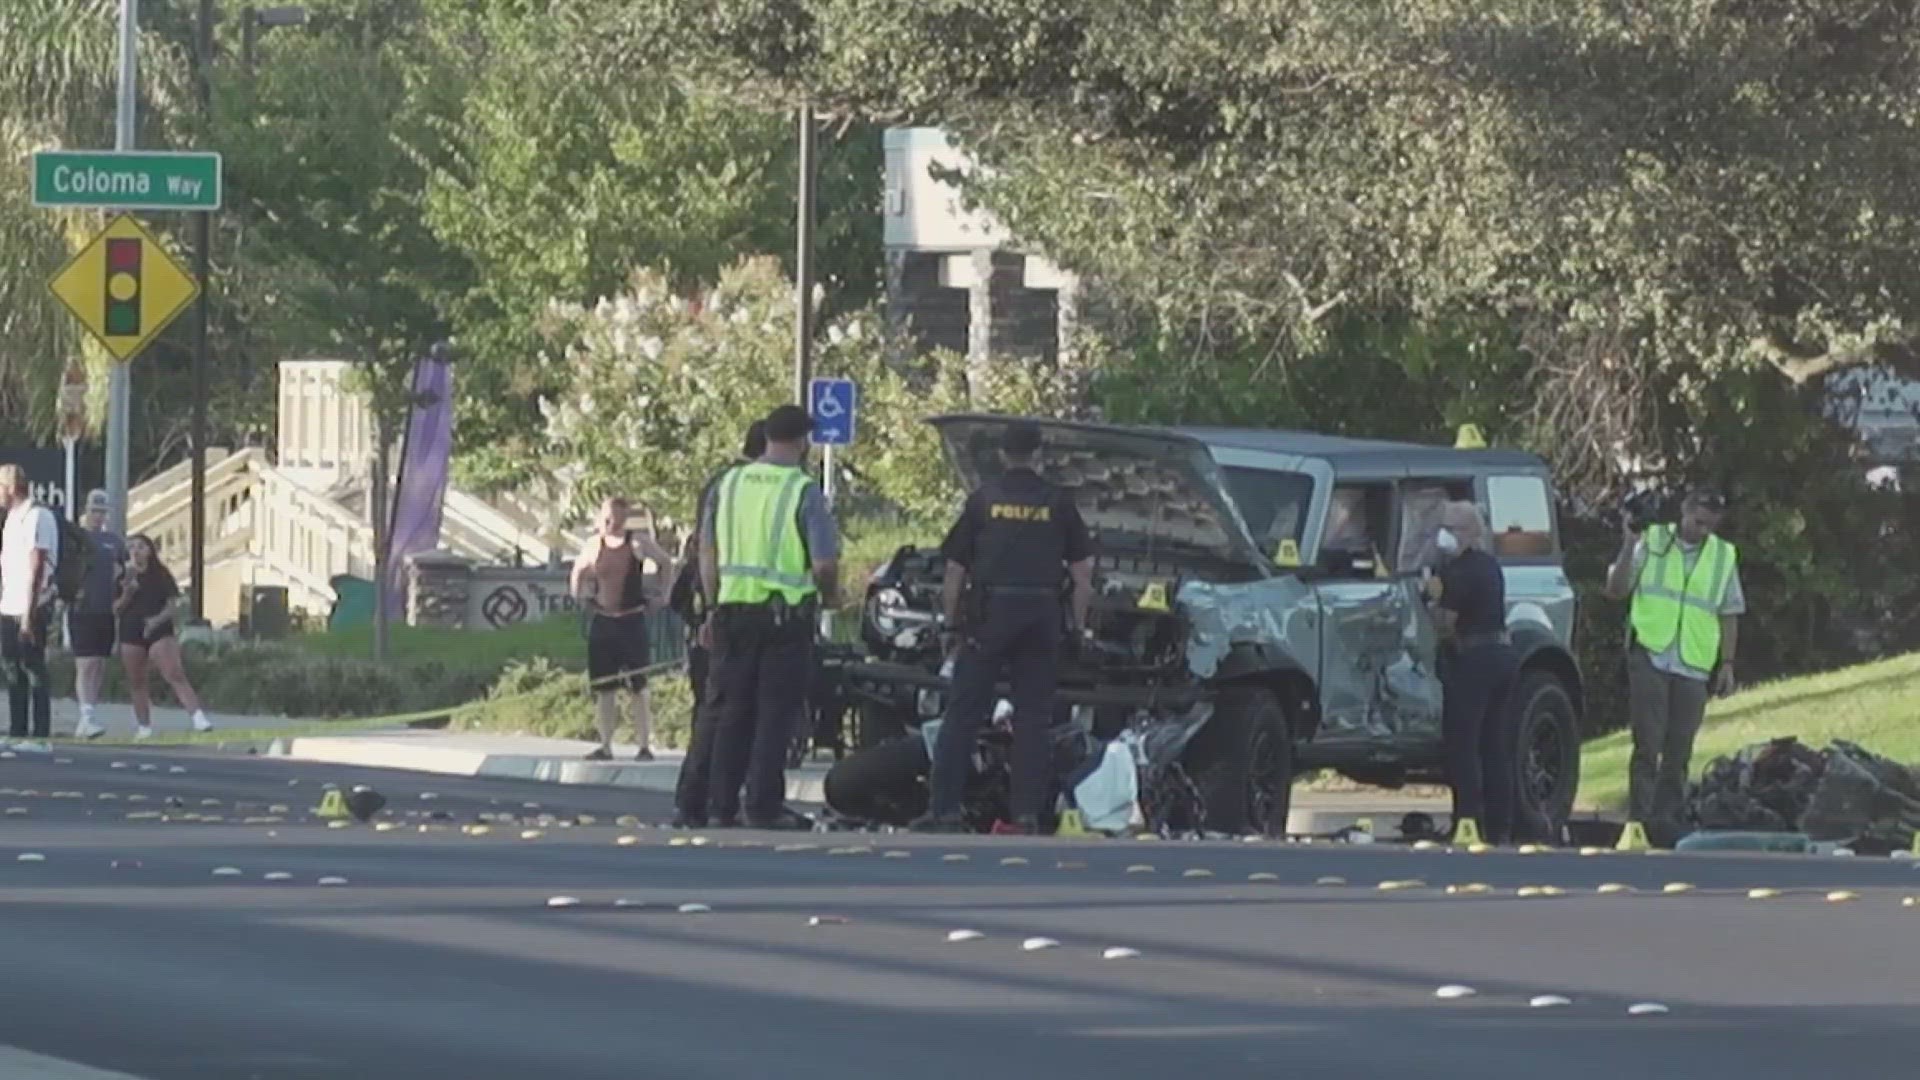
(1140, 490)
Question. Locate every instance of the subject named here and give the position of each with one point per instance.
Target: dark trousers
(1020, 633)
(690, 791)
(760, 670)
(1479, 752)
(27, 682)
(1667, 710)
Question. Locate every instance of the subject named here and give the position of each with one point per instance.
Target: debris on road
(1842, 793)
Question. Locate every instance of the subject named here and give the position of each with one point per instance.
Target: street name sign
(124, 287)
(127, 180)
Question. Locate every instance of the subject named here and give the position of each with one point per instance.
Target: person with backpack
(90, 623)
(29, 553)
(609, 579)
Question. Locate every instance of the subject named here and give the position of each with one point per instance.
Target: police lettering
(1019, 512)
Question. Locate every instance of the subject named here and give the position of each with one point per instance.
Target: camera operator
(1684, 632)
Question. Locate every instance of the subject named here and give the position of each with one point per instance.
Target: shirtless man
(609, 579)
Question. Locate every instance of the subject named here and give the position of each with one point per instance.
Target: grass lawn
(1875, 705)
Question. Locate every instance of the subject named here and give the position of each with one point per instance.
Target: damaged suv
(1258, 614)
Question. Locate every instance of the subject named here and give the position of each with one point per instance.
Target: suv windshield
(1274, 504)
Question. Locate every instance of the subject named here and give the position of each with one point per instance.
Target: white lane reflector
(1399, 886)
(339, 824)
(1120, 952)
(531, 834)
(1762, 894)
(1035, 944)
(136, 798)
(226, 871)
(629, 902)
(379, 826)
(1197, 872)
(31, 856)
(1843, 852)
(1647, 1008)
(1330, 880)
(149, 768)
(276, 875)
(1479, 849)
(694, 909)
(428, 796)
(791, 847)
(1453, 991)
(964, 935)
(108, 796)
(176, 769)
(1549, 1001)
(1531, 849)
(955, 856)
(855, 850)
(1612, 887)
(624, 841)
(1676, 887)
(678, 841)
(896, 853)
(1426, 845)
(117, 765)
(563, 901)
(1592, 851)
(827, 920)
(700, 841)
(1140, 868)
(529, 806)
(16, 811)
(1014, 860)
(1263, 875)
(1841, 896)
(333, 881)
(1472, 888)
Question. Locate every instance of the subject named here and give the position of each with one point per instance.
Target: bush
(281, 680)
(539, 697)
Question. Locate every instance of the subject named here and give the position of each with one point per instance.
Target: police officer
(1472, 608)
(691, 602)
(769, 555)
(1009, 544)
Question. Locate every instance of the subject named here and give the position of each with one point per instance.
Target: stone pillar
(980, 308)
(438, 588)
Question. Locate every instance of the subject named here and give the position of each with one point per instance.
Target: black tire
(1545, 740)
(1242, 762)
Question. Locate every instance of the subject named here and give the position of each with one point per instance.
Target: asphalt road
(124, 951)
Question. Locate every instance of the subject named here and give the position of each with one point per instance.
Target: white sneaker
(143, 732)
(201, 723)
(32, 746)
(87, 728)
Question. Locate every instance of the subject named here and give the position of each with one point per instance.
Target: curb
(803, 785)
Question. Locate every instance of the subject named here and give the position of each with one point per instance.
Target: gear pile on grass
(1844, 793)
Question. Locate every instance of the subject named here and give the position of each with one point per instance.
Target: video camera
(1642, 508)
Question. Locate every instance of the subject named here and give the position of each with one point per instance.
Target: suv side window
(1421, 501)
(1273, 503)
(1359, 517)
(1520, 517)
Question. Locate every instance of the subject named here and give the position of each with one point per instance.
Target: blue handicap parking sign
(832, 404)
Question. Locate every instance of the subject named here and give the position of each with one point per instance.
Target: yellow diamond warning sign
(124, 287)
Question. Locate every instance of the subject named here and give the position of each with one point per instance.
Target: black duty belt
(1482, 638)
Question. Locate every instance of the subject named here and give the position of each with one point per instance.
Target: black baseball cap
(1707, 497)
(1020, 437)
(788, 424)
(756, 441)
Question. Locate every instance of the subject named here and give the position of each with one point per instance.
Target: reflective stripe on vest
(1669, 603)
(761, 553)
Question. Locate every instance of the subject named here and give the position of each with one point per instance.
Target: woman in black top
(145, 612)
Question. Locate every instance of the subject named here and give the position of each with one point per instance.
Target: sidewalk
(562, 761)
(517, 757)
(117, 717)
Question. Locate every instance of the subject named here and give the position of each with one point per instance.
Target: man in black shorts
(609, 577)
(90, 621)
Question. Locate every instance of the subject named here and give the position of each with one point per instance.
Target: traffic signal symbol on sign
(124, 287)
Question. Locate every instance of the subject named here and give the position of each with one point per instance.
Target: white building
(298, 518)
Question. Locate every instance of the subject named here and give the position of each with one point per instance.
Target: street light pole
(202, 264)
(119, 380)
(803, 261)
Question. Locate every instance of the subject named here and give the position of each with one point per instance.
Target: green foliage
(571, 176)
(537, 697)
(557, 638)
(280, 680)
(659, 389)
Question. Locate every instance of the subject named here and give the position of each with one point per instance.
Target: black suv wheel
(1546, 743)
(1242, 762)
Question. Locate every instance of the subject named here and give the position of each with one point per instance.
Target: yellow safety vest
(757, 532)
(1669, 602)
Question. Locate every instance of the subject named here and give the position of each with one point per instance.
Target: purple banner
(421, 488)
